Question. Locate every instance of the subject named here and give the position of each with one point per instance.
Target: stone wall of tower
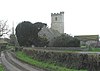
(57, 21)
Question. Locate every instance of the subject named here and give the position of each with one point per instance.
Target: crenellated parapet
(61, 13)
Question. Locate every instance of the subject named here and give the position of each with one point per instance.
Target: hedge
(91, 62)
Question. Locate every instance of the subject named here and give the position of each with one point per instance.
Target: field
(95, 49)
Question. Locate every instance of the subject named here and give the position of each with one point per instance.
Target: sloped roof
(2, 41)
(88, 37)
(55, 32)
(50, 33)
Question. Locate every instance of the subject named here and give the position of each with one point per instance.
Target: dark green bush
(66, 40)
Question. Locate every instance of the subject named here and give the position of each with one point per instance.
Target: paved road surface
(13, 64)
(89, 52)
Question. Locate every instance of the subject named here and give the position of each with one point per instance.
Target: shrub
(66, 41)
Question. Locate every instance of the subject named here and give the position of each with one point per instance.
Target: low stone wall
(63, 48)
(91, 62)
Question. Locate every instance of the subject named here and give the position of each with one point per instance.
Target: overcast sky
(81, 17)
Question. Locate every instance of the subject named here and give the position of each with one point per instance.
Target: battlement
(57, 13)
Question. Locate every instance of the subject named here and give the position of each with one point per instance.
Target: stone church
(57, 27)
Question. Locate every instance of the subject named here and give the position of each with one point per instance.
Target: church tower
(57, 21)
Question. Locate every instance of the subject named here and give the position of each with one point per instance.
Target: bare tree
(3, 28)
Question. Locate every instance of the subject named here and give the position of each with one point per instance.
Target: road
(89, 52)
(12, 64)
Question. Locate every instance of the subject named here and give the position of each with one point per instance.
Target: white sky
(82, 17)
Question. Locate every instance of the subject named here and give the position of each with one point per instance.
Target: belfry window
(55, 18)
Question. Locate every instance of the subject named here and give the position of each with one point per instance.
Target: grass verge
(1, 68)
(44, 65)
(95, 49)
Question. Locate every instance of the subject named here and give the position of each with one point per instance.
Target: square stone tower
(57, 21)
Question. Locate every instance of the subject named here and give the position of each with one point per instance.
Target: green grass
(40, 64)
(92, 49)
(95, 49)
(83, 47)
(10, 47)
(1, 68)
